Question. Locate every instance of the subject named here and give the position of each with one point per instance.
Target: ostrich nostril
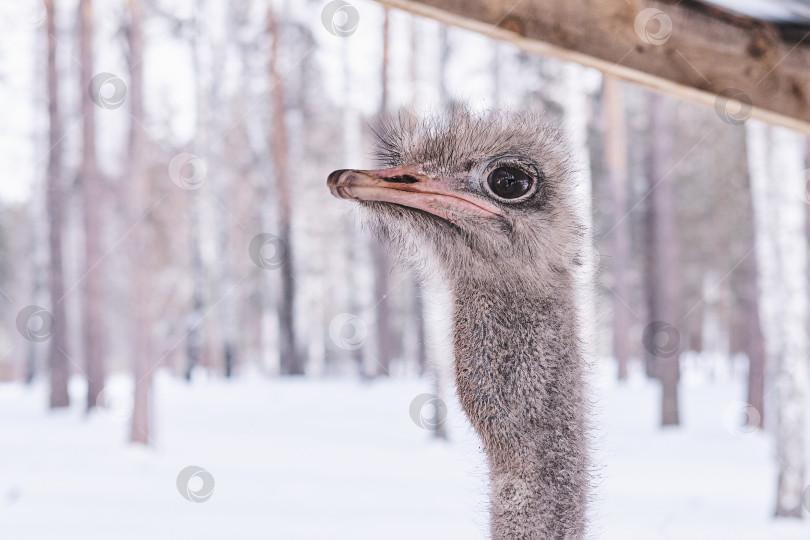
(403, 179)
(334, 176)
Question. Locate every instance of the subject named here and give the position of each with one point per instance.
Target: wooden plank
(740, 66)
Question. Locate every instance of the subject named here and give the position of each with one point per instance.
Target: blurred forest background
(164, 210)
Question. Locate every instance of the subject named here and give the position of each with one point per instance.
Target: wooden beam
(740, 66)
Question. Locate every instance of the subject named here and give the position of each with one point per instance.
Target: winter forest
(199, 340)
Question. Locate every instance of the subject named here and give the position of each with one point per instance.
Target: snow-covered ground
(338, 458)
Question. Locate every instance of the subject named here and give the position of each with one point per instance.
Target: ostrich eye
(509, 182)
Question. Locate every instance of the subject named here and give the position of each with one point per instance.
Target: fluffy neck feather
(519, 373)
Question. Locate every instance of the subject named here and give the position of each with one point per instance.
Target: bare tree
(57, 359)
(194, 339)
(291, 362)
(574, 100)
(136, 189)
(357, 265)
(662, 334)
(616, 161)
(225, 283)
(92, 304)
(753, 340)
(382, 265)
(444, 59)
(419, 302)
(776, 160)
(194, 335)
(438, 310)
(255, 133)
(38, 222)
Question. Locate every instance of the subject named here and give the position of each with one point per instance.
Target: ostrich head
(488, 201)
(487, 194)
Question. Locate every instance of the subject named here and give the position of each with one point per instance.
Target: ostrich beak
(407, 187)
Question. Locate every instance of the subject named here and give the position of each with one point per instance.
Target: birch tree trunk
(268, 324)
(776, 161)
(57, 354)
(574, 100)
(438, 319)
(360, 294)
(92, 305)
(137, 190)
(225, 282)
(616, 162)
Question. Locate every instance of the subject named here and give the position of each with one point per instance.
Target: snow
(339, 458)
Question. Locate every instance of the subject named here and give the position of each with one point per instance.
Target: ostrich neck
(519, 375)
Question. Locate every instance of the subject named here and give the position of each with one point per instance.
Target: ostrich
(487, 202)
